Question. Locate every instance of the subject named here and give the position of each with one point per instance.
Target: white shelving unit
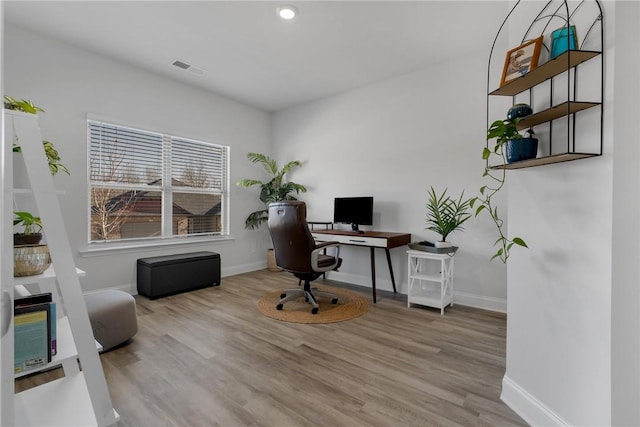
(430, 285)
(81, 397)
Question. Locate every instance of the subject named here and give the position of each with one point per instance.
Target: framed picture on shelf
(562, 40)
(521, 60)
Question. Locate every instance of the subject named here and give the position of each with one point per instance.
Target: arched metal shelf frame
(565, 64)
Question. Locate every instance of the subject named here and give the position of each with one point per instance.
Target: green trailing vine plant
(53, 157)
(502, 131)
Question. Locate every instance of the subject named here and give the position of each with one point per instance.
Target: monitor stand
(354, 227)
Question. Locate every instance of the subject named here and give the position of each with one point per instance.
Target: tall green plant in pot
(446, 215)
(276, 189)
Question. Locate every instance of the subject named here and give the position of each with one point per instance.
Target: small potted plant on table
(446, 215)
(29, 256)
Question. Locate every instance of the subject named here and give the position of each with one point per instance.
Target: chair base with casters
(308, 293)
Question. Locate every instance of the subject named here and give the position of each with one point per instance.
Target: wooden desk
(370, 239)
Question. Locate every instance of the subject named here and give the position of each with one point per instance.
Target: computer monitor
(353, 210)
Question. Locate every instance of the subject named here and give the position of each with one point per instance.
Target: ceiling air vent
(188, 67)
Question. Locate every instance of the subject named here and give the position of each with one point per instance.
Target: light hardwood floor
(209, 358)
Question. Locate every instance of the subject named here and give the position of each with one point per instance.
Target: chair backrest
(292, 240)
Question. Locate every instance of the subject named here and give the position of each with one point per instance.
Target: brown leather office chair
(297, 252)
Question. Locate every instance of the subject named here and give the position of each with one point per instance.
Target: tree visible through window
(145, 184)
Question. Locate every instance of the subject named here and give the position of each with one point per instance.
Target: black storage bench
(171, 274)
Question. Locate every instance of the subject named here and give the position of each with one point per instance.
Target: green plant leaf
(486, 153)
(31, 224)
(520, 242)
(23, 105)
(248, 182)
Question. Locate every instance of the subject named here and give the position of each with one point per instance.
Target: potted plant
(276, 189)
(502, 131)
(517, 147)
(32, 229)
(53, 157)
(29, 256)
(446, 215)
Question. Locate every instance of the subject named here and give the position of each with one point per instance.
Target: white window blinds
(147, 185)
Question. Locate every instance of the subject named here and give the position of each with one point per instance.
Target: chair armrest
(320, 247)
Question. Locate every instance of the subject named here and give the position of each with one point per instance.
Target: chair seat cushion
(327, 260)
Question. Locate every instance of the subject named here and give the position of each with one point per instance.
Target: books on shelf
(34, 331)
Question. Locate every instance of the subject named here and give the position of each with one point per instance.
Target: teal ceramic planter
(517, 150)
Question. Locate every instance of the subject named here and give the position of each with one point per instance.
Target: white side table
(427, 285)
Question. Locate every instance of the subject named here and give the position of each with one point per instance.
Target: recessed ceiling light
(287, 12)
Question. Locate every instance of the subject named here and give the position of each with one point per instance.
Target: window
(149, 185)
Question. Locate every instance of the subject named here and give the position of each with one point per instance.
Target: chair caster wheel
(314, 310)
(283, 296)
(334, 301)
(279, 307)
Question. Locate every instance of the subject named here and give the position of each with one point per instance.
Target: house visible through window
(149, 185)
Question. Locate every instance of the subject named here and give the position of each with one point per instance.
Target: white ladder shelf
(80, 398)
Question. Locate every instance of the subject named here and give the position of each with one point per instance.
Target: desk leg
(393, 280)
(373, 274)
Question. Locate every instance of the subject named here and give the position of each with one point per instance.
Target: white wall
(625, 299)
(69, 83)
(392, 140)
(560, 305)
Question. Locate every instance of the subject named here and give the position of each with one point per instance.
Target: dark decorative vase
(521, 149)
(519, 110)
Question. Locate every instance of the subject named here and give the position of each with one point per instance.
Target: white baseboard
(132, 288)
(529, 408)
(353, 279)
(462, 298)
(244, 268)
(479, 301)
(470, 300)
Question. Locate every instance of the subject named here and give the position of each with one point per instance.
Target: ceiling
(249, 54)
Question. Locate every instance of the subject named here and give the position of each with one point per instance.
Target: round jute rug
(350, 305)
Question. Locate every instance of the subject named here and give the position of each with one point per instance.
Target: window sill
(98, 249)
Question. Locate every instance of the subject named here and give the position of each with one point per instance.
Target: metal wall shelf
(565, 64)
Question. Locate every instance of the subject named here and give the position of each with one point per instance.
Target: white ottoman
(113, 318)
